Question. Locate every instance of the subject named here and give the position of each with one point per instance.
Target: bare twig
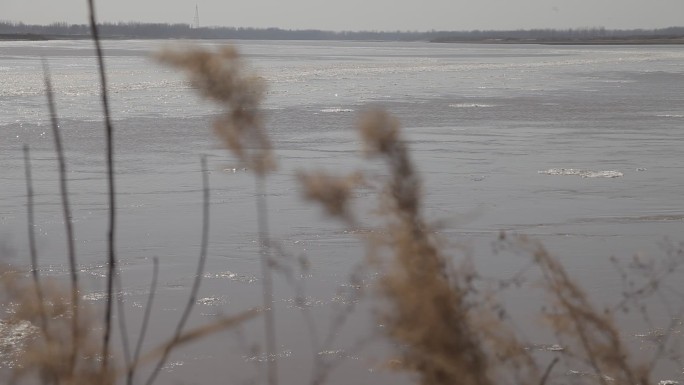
(547, 372)
(300, 290)
(267, 286)
(68, 226)
(123, 329)
(200, 332)
(176, 340)
(32, 245)
(146, 320)
(110, 177)
(220, 76)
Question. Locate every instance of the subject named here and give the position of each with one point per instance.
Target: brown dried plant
(46, 355)
(221, 76)
(65, 348)
(588, 334)
(428, 312)
(447, 331)
(333, 192)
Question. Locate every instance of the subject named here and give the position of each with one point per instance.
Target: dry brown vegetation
(446, 328)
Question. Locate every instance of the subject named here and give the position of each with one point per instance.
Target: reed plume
(221, 77)
(427, 311)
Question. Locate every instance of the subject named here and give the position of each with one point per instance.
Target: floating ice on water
(582, 173)
(670, 116)
(470, 105)
(171, 366)
(231, 276)
(13, 335)
(211, 301)
(336, 110)
(97, 296)
(602, 174)
(578, 373)
(303, 302)
(268, 357)
(546, 347)
(337, 354)
(102, 295)
(234, 170)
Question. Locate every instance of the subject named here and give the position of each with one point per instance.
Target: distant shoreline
(626, 41)
(39, 37)
(164, 31)
(314, 36)
(591, 41)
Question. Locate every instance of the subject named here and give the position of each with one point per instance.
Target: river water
(580, 147)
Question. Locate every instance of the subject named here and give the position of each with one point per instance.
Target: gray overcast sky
(364, 14)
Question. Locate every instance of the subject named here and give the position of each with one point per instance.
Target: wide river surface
(579, 147)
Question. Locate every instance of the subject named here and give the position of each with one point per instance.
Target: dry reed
(48, 357)
(589, 335)
(221, 77)
(446, 331)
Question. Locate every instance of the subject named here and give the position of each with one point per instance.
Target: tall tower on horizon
(195, 21)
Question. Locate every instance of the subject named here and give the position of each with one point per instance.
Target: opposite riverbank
(609, 41)
(161, 31)
(591, 41)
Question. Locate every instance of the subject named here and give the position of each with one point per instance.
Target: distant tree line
(562, 34)
(134, 30)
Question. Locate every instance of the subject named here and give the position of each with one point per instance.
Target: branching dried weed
(589, 335)
(427, 308)
(445, 329)
(47, 354)
(221, 77)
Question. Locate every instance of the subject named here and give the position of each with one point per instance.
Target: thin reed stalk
(123, 328)
(130, 375)
(194, 334)
(66, 209)
(198, 276)
(221, 77)
(32, 244)
(267, 283)
(112, 267)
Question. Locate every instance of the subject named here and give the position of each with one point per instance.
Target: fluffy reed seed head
(332, 192)
(381, 138)
(427, 310)
(379, 131)
(220, 75)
